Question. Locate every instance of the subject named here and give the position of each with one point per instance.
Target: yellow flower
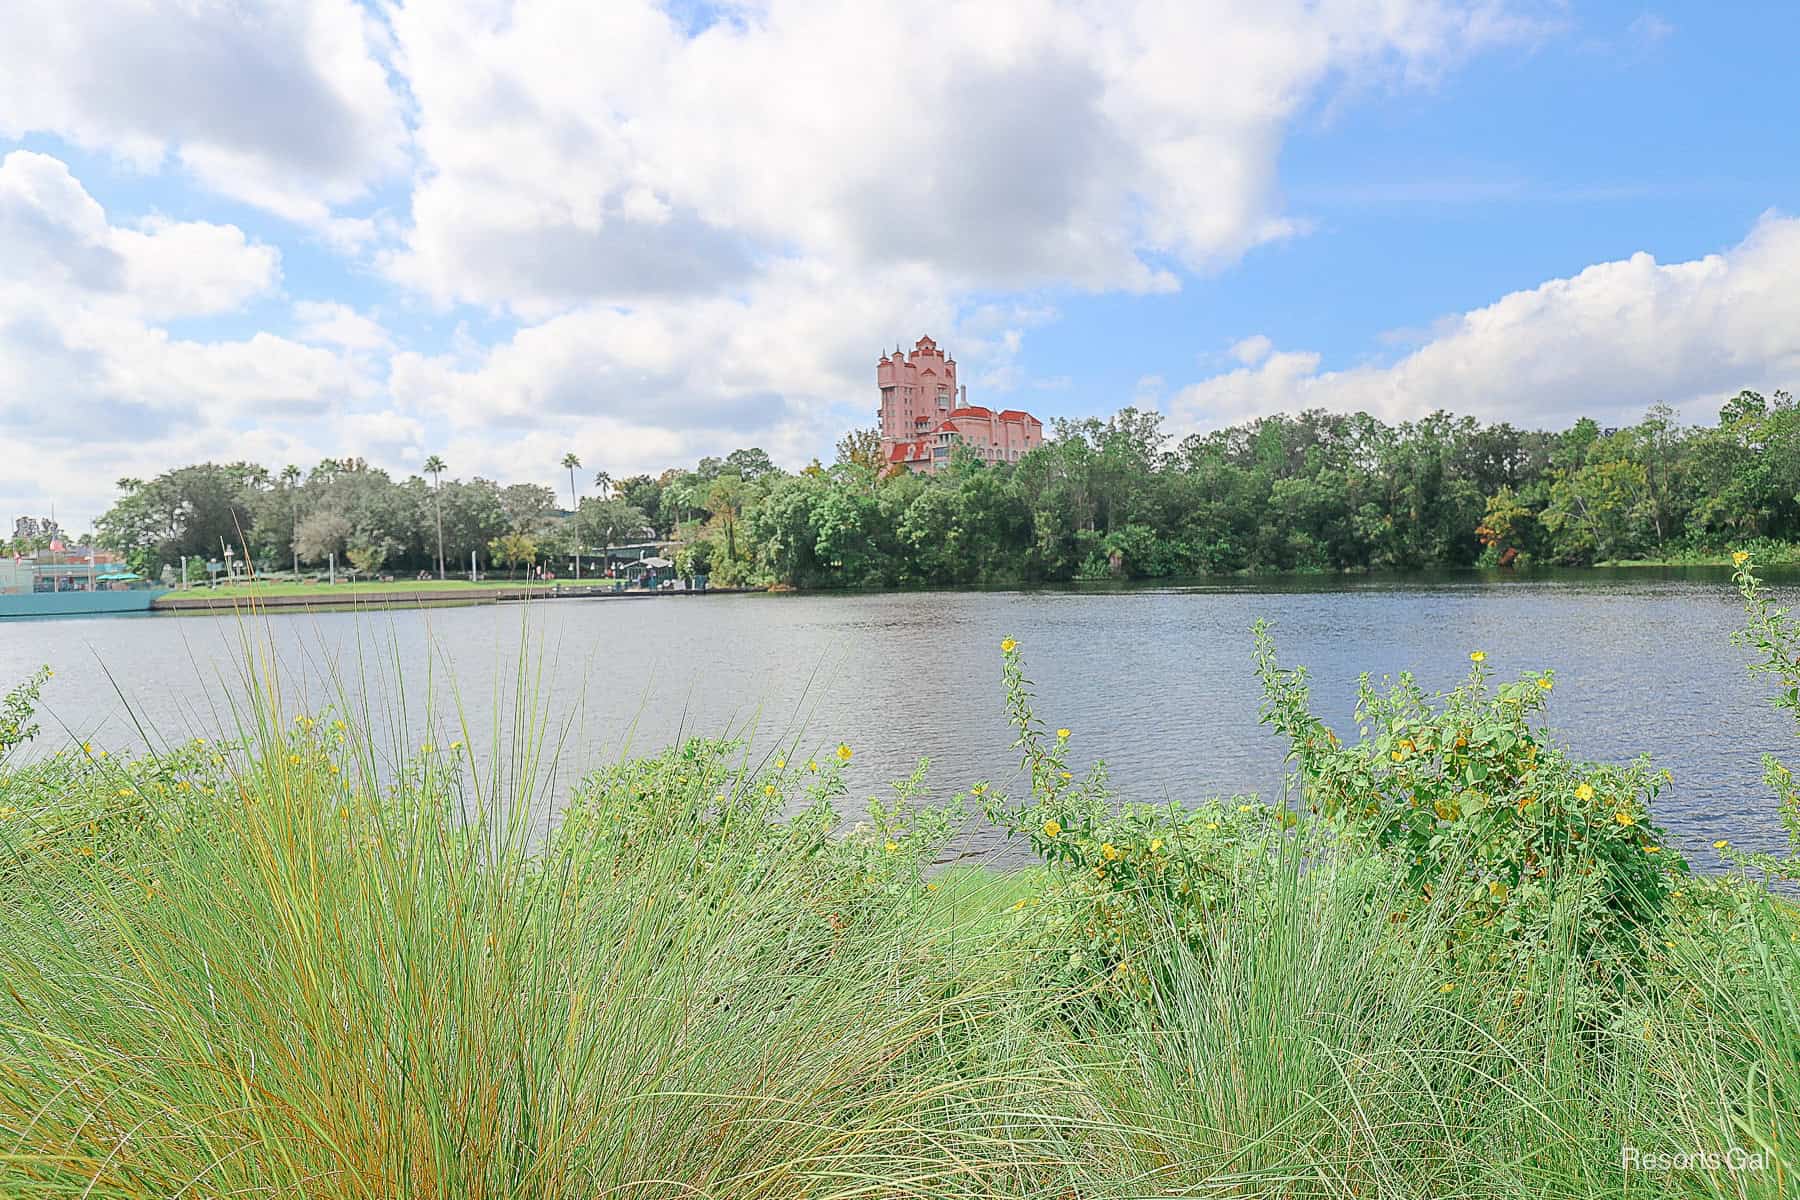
(425, 749)
(769, 790)
(1065, 776)
(1447, 988)
(1478, 656)
(125, 792)
(1652, 849)
(1244, 808)
(1062, 735)
(1739, 557)
(844, 752)
(1624, 818)
(812, 764)
(1156, 845)
(6, 810)
(1212, 824)
(87, 747)
(343, 814)
(456, 745)
(1007, 646)
(86, 852)
(339, 726)
(780, 763)
(979, 789)
(1544, 683)
(294, 759)
(1584, 792)
(199, 741)
(1052, 827)
(1109, 852)
(891, 846)
(1720, 844)
(1397, 755)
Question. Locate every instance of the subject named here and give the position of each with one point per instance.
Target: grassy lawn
(448, 587)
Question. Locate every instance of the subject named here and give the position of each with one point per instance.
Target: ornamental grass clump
(296, 967)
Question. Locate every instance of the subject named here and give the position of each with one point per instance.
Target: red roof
(1015, 414)
(908, 452)
(973, 410)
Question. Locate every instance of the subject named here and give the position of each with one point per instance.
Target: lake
(1154, 680)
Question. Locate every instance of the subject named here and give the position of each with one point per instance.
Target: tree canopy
(1117, 497)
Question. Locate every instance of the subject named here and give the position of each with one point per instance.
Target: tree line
(1116, 498)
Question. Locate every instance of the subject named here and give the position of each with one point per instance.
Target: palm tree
(434, 467)
(603, 483)
(570, 463)
(290, 475)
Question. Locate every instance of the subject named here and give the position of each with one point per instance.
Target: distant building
(924, 414)
(31, 527)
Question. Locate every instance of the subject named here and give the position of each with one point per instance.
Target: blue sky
(500, 230)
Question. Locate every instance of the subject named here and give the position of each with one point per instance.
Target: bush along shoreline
(1458, 962)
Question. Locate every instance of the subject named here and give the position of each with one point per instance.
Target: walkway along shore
(228, 601)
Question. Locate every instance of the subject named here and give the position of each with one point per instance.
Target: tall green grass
(293, 966)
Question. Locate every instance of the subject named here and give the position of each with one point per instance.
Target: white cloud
(90, 379)
(596, 152)
(330, 323)
(1607, 343)
(1252, 350)
(281, 104)
(1649, 28)
(788, 365)
(55, 238)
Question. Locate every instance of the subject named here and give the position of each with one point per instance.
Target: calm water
(1155, 681)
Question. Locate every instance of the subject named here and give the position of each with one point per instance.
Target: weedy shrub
(1121, 875)
(1467, 793)
(1775, 638)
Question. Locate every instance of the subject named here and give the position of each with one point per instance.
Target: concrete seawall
(424, 598)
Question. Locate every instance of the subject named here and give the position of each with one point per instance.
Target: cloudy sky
(499, 230)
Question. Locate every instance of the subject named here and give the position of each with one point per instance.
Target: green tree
(290, 480)
(514, 550)
(527, 506)
(603, 524)
(571, 464)
(861, 448)
(435, 467)
(321, 535)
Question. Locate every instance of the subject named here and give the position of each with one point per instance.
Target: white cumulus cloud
(283, 103)
(599, 152)
(1607, 343)
(92, 384)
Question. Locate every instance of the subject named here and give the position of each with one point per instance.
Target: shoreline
(228, 600)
